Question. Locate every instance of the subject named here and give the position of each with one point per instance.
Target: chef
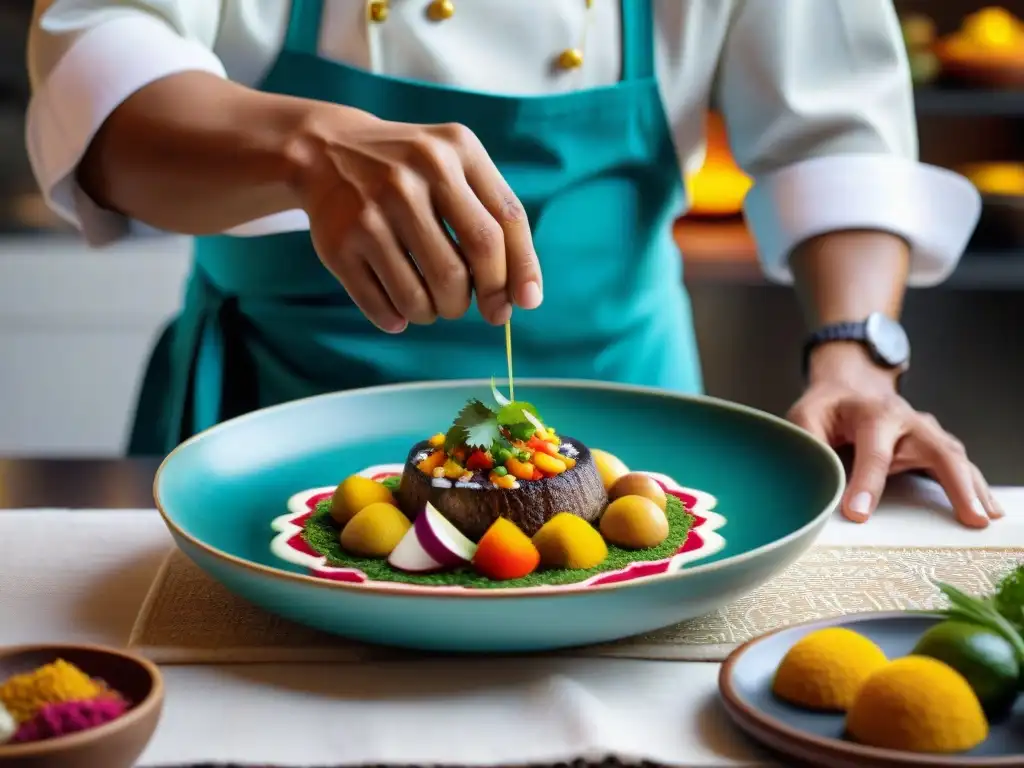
(376, 187)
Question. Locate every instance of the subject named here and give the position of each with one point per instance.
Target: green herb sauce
(321, 534)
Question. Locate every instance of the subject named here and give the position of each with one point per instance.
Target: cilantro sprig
(476, 426)
(481, 426)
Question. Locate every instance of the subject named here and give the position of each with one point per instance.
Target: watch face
(888, 340)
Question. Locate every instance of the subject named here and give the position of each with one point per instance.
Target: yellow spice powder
(25, 695)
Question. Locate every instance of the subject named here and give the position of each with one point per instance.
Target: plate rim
(514, 593)
(748, 718)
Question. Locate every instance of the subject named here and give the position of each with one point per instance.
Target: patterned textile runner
(190, 619)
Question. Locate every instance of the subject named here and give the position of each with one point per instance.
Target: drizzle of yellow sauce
(508, 357)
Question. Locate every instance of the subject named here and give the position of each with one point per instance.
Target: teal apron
(263, 322)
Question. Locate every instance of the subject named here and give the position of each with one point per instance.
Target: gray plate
(745, 684)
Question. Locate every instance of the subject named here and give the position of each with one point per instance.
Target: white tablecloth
(81, 575)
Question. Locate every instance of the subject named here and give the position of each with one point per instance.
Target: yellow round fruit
(917, 704)
(638, 484)
(375, 530)
(609, 467)
(825, 669)
(355, 493)
(634, 522)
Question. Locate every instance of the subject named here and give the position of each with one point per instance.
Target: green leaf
(454, 437)
(483, 435)
(512, 413)
(392, 483)
(474, 412)
(1009, 597)
(477, 423)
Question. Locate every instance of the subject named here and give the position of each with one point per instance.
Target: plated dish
(219, 492)
(498, 500)
(937, 689)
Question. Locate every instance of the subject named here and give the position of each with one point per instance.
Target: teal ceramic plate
(766, 490)
(817, 739)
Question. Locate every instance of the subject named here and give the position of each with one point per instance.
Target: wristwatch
(883, 337)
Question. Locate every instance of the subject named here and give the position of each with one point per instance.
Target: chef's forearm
(196, 154)
(845, 276)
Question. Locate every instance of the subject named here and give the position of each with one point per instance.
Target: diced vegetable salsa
(501, 447)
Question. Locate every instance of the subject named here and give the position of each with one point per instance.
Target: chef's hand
(378, 195)
(850, 401)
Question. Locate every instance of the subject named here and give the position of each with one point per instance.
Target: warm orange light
(718, 188)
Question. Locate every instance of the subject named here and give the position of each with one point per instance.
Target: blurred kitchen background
(76, 325)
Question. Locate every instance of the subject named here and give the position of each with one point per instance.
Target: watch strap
(845, 331)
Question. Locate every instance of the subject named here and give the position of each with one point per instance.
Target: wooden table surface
(74, 483)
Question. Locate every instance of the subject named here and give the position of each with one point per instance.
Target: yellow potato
(634, 522)
(354, 494)
(639, 484)
(609, 467)
(375, 530)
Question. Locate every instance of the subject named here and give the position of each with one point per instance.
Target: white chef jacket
(816, 94)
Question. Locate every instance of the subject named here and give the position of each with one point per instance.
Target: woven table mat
(188, 618)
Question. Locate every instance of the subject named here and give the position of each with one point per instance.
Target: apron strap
(209, 343)
(304, 27)
(637, 40)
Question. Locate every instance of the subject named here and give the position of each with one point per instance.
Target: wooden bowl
(117, 744)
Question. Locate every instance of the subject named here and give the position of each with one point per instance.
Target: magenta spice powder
(70, 717)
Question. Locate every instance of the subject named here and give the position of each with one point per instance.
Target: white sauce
(474, 486)
(569, 450)
(441, 482)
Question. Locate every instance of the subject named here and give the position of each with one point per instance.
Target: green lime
(983, 657)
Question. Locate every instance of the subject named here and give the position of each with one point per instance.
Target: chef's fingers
(807, 416)
(981, 487)
(394, 269)
(482, 243)
(345, 244)
(945, 459)
(359, 279)
(524, 273)
(411, 214)
(909, 458)
(874, 443)
(992, 507)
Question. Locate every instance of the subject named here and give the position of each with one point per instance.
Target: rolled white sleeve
(818, 101)
(85, 58)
